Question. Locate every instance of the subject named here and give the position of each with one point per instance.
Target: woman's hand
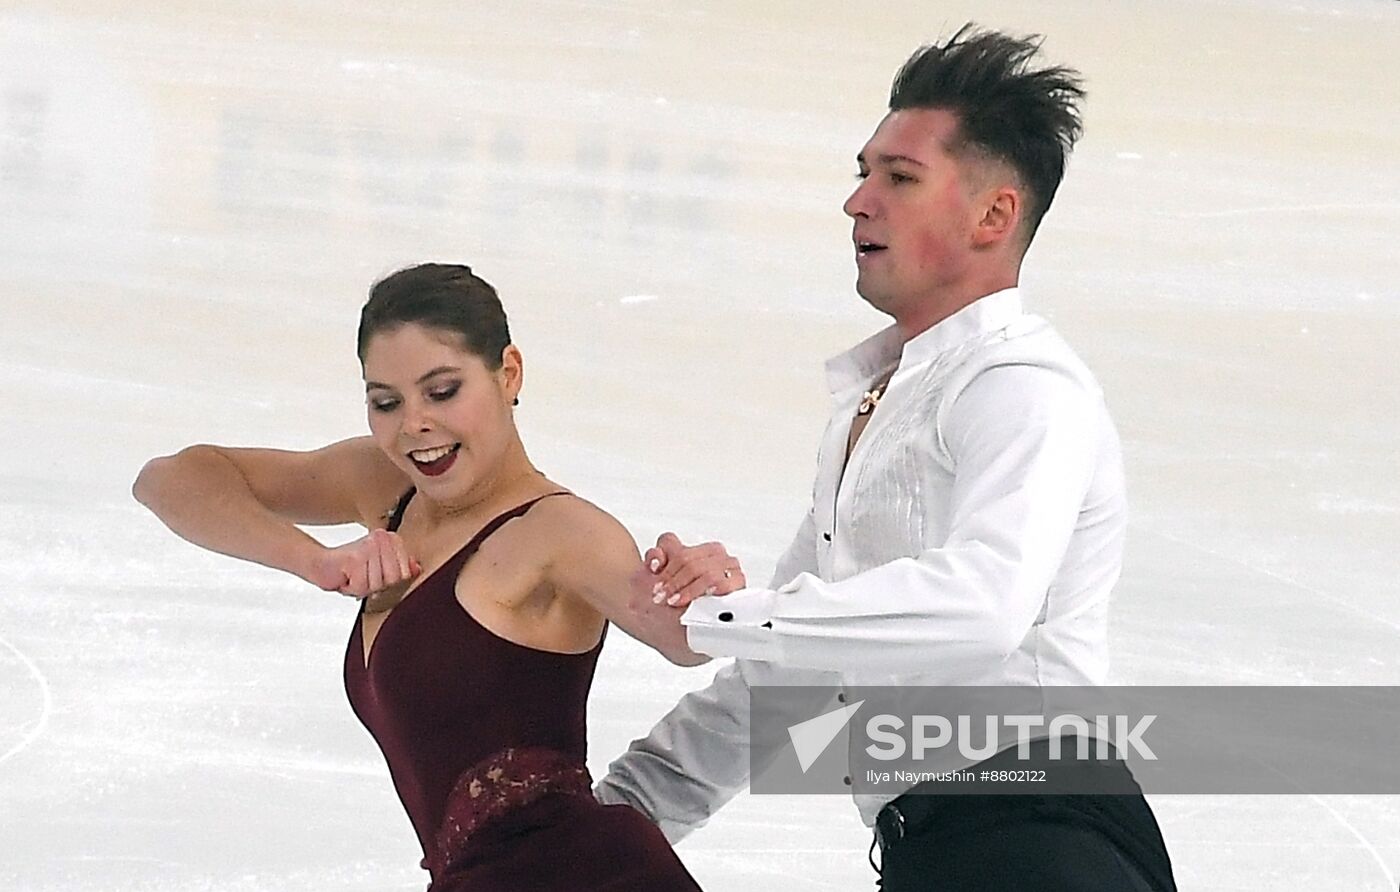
(686, 572)
(369, 566)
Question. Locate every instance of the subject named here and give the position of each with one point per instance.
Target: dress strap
(396, 516)
(466, 551)
(501, 519)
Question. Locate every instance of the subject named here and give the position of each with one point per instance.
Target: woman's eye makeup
(440, 393)
(444, 393)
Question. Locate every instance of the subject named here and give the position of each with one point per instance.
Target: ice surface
(194, 198)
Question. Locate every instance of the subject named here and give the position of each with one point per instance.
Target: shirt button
(826, 536)
(726, 616)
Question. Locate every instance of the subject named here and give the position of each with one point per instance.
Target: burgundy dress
(486, 744)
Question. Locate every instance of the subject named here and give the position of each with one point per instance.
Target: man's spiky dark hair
(1027, 118)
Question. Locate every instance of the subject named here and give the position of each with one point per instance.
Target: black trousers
(1032, 844)
(1026, 842)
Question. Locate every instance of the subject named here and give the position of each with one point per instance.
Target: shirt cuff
(738, 624)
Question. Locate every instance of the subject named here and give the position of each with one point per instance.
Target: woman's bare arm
(246, 503)
(597, 560)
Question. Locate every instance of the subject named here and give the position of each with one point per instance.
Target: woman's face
(437, 410)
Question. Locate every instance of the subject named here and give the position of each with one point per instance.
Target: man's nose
(858, 204)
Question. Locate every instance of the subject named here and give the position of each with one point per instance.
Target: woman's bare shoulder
(570, 517)
(574, 541)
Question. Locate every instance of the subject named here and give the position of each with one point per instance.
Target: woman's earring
(515, 401)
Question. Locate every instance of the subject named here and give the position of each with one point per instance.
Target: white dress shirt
(972, 538)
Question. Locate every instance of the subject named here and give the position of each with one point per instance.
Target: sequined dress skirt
(526, 819)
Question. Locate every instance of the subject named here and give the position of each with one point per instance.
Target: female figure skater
(486, 590)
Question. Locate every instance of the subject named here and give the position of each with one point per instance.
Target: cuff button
(726, 616)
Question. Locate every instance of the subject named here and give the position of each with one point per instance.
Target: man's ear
(1001, 217)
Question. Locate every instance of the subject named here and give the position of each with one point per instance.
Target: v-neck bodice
(452, 565)
(440, 693)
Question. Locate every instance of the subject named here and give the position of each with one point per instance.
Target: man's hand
(373, 564)
(686, 572)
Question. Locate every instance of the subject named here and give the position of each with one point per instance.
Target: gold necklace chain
(871, 399)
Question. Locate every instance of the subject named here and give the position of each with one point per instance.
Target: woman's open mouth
(435, 461)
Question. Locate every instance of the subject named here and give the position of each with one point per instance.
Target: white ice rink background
(194, 198)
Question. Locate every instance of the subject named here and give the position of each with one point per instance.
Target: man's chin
(876, 297)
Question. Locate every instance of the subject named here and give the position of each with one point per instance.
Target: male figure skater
(968, 514)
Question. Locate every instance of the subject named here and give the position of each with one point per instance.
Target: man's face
(914, 212)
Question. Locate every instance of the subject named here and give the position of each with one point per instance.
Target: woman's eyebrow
(375, 385)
